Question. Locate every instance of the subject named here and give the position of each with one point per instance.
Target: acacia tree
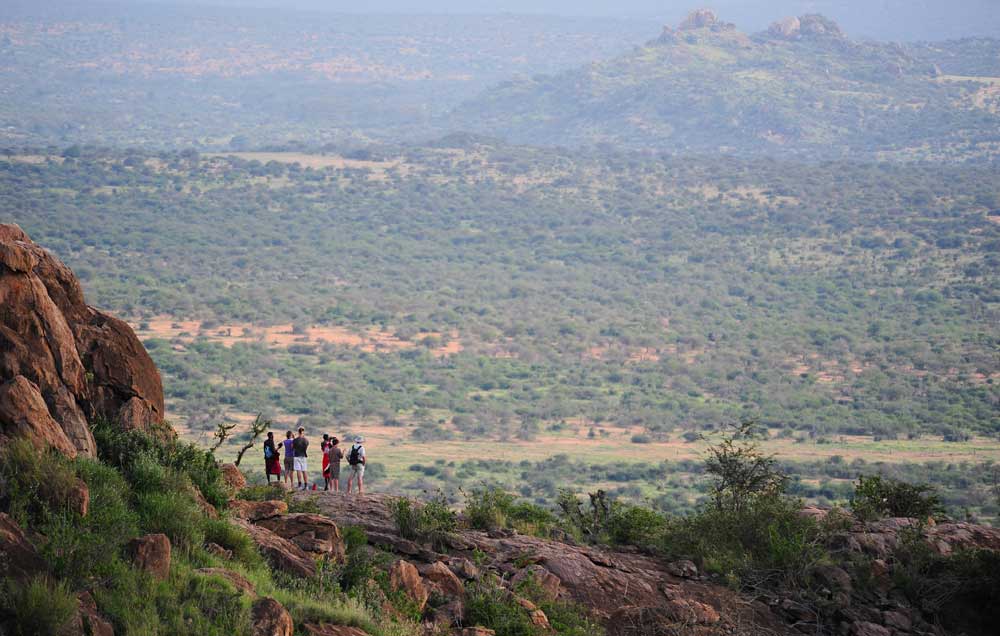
(221, 434)
(741, 473)
(257, 428)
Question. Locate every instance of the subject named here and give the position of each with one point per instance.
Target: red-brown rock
(78, 498)
(548, 582)
(254, 511)
(312, 533)
(151, 554)
(538, 617)
(206, 507)
(864, 628)
(444, 580)
(280, 552)
(233, 477)
(23, 413)
(326, 629)
(84, 363)
(18, 558)
(270, 618)
(88, 621)
(404, 576)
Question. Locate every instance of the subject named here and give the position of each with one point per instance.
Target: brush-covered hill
(803, 87)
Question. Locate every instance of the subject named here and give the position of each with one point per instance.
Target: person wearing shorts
(300, 460)
(289, 457)
(356, 459)
(336, 454)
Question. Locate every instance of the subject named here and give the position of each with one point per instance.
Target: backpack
(268, 452)
(355, 457)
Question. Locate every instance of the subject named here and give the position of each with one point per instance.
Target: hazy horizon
(902, 20)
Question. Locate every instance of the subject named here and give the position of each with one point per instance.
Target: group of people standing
(296, 467)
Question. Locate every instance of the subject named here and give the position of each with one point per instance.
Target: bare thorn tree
(221, 434)
(257, 428)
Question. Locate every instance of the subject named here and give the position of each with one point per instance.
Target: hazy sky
(883, 19)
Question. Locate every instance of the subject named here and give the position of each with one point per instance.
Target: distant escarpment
(801, 87)
(64, 363)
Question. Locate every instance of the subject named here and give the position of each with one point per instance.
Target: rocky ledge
(62, 362)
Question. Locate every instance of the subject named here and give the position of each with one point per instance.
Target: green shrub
(175, 514)
(230, 537)
(210, 604)
(38, 607)
(431, 521)
(489, 508)
(80, 548)
(877, 497)
(486, 508)
(769, 538)
(36, 482)
(131, 450)
(635, 525)
(565, 617)
(489, 604)
(740, 472)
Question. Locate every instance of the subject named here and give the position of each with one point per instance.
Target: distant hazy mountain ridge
(800, 87)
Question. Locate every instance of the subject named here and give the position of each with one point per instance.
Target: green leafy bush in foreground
(430, 521)
(876, 497)
(490, 507)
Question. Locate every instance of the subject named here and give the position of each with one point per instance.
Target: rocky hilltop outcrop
(811, 26)
(64, 363)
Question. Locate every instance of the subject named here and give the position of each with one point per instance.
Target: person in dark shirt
(272, 463)
(299, 448)
(289, 458)
(336, 454)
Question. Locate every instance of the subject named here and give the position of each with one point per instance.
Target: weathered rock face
(24, 412)
(281, 553)
(151, 554)
(88, 621)
(404, 576)
(18, 558)
(254, 511)
(699, 19)
(326, 629)
(786, 29)
(658, 600)
(82, 363)
(312, 533)
(233, 477)
(270, 618)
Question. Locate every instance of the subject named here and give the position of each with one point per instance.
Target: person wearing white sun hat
(356, 459)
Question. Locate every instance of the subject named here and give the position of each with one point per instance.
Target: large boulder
(18, 558)
(268, 617)
(151, 554)
(313, 533)
(88, 621)
(699, 19)
(255, 511)
(83, 363)
(444, 581)
(326, 629)
(23, 412)
(233, 477)
(281, 553)
(404, 576)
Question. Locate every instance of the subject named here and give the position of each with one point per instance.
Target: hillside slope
(801, 88)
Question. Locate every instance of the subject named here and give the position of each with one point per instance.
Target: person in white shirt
(356, 459)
